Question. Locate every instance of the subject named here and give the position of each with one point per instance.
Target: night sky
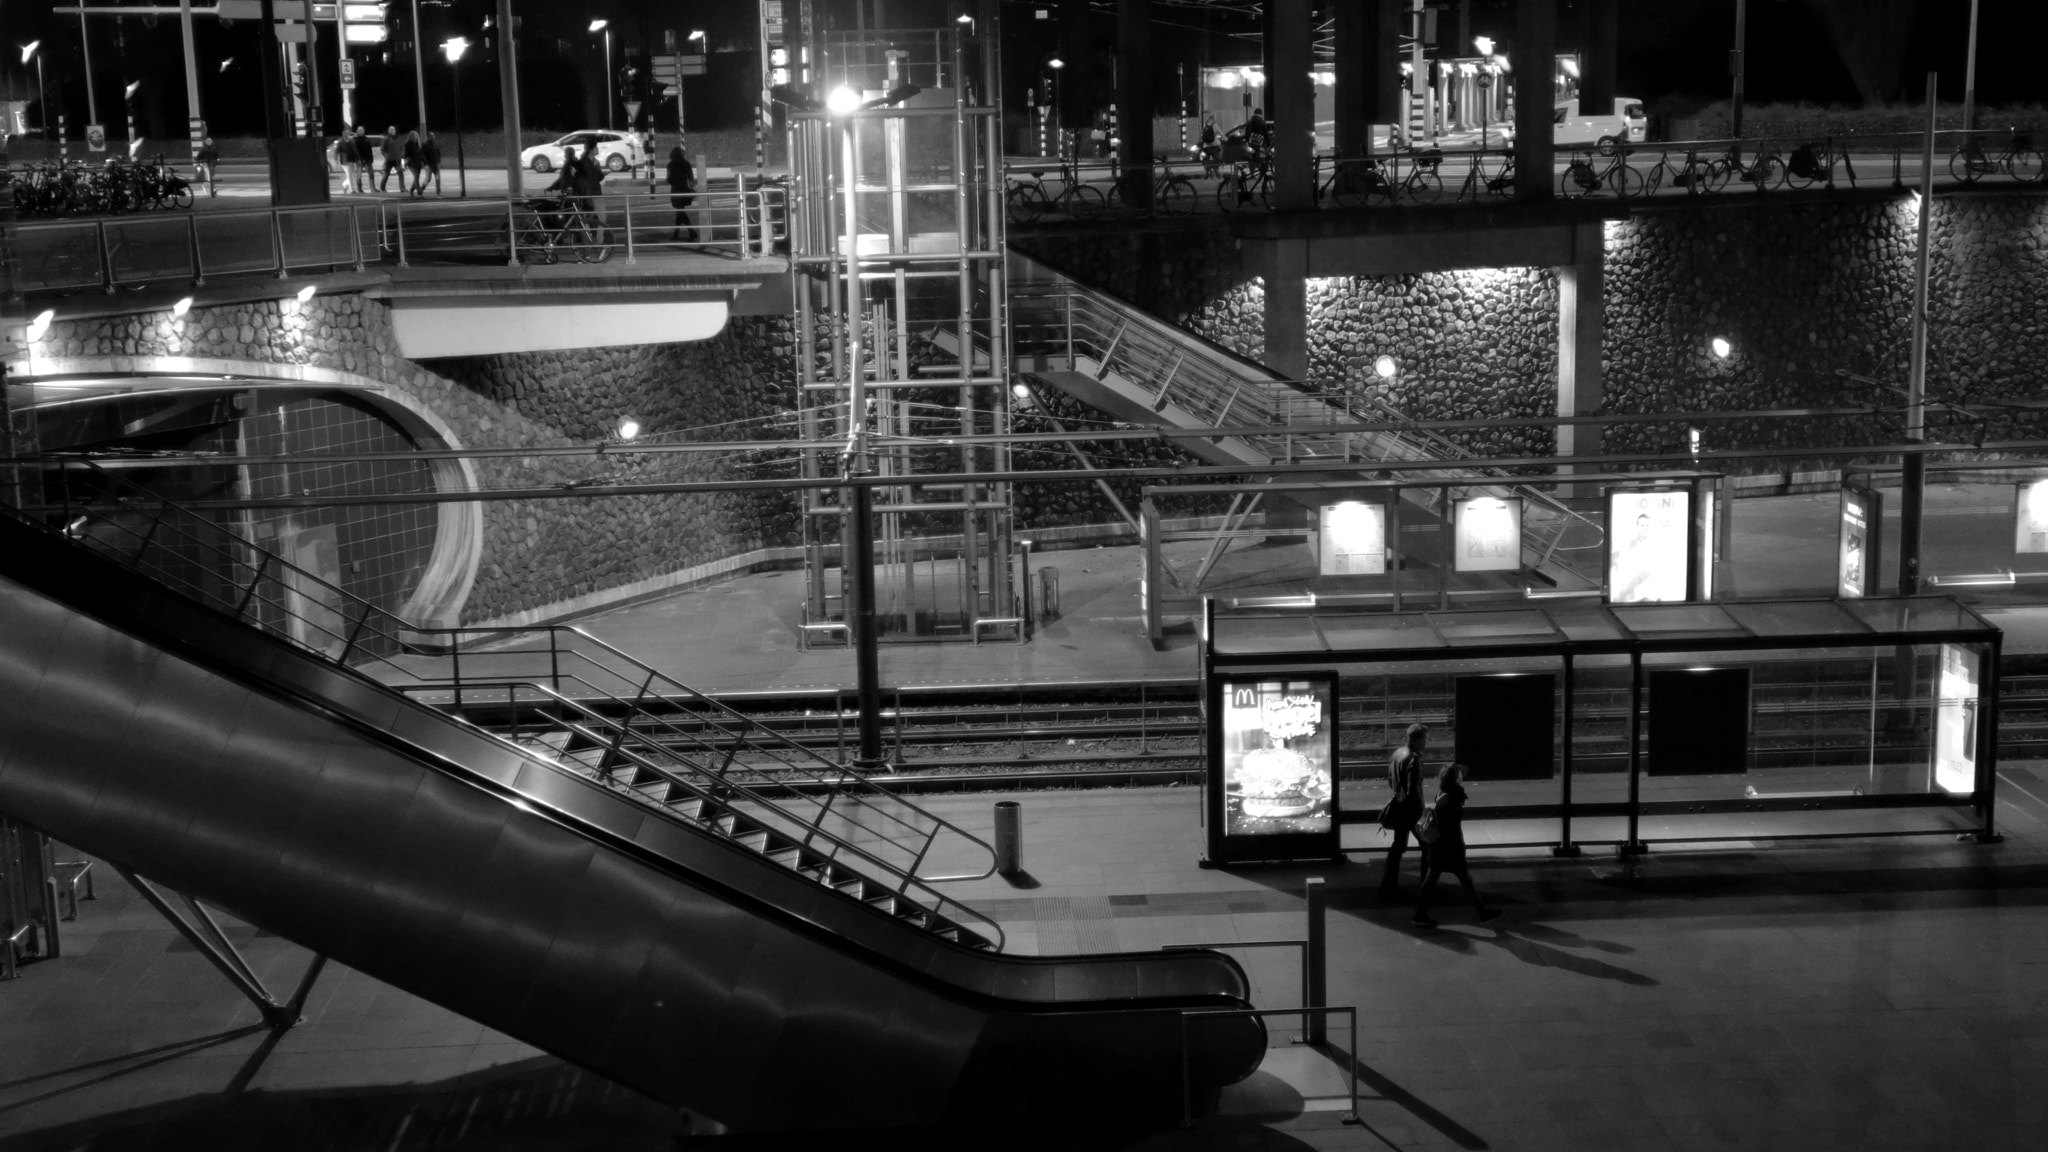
(1673, 54)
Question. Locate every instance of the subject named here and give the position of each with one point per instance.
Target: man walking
(394, 159)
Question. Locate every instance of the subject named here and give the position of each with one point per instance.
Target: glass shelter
(1617, 724)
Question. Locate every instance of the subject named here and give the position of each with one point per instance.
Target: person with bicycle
(1208, 150)
(206, 161)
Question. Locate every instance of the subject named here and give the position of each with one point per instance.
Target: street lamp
(28, 51)
(453, 49)
(1058, 65)
(610, 96)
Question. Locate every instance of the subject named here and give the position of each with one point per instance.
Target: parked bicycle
(548, 226)
(1815, 163)
(1585, 176)
(1028, 198)
(1172, 194)
(2019, 160)
(1362, 179)
(1498, 180)
(1249, 185)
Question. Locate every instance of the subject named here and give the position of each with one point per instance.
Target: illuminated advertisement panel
(1488, 534)
(1353, 539)
(1648, 538)
(1856, 552)
(1955, 721)
(2030, 528)
(1276, 755)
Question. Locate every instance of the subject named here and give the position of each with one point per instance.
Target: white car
(617, 151)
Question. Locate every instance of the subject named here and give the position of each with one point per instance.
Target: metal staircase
(1118, 359)
(583, 705)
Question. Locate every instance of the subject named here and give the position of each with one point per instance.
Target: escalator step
(789, 856)
(691, 808)
(854, 887)
(756, 839)
(886, 902)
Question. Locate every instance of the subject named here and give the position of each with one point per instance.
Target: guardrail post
(106, 258)
(277, 240)
(355, 236)
(1315, 964)
(192, 236)
(511, 234)
(631, 258)
(398, 214)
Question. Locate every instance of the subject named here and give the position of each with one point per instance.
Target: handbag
(1427, 830)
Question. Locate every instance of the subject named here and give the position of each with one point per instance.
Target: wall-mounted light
(1385, 367)
(1721, 347)
(308, 292)
(1692, 436)
(626, 429)
(40, 324)
(182, 306)
(1484, 44)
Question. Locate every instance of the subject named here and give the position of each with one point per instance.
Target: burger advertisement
(1277, 750)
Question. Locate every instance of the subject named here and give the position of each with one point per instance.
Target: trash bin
(1009, 837)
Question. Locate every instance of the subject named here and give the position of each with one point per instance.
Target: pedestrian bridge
(463, 277)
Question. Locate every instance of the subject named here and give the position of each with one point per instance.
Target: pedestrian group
(363, 162)
(1439, 828)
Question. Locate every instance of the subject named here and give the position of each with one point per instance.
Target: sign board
(632, 111)
(2030, 518)
(1955, 721)
(688, 65)
(348, 73)
(771, 20)
(1859, 542)
(242, 9)
(1487, 534)
(1273, 768)
(1649, 538)
(298, 33)
(1352, 540)
(96, 137)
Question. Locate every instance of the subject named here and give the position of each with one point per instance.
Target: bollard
(1009, 837)
(1315, 963)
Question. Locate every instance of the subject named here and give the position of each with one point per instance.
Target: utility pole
(1969, 76)
(508, 94)
(1737, 65)
(92, 101)
(1913, 476)
(314, 119)
(419, 75)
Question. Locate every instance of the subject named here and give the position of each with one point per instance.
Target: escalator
(672, 924)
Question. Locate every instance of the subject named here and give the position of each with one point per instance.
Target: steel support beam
(197, 925)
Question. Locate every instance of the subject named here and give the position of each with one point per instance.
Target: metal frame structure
(897, 242)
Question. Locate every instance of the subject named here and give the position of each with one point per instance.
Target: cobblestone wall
(540, 552)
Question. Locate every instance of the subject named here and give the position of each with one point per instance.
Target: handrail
(339, 626)
(107, 253)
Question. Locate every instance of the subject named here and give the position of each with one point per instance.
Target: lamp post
(453, 49)
(1737, 66)
(1058, 112)
(610, 96)
(1969, 76)
(696, 42)
(92, 101)
(28, 52)
(419, 72)
(1485, 46)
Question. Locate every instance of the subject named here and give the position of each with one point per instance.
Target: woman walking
(1446, 853)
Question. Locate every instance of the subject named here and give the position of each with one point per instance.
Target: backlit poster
(1648, 531)
(1487, 534)
(1856, 547)
(1278, 770)
(1354, 539)
(2030, 529)
(1955, 720)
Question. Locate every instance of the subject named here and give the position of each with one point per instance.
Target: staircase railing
(1097, 336)
(834, 810)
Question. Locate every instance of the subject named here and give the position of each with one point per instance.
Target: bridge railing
(113, 252)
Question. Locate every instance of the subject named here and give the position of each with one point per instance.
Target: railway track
(1111, 735)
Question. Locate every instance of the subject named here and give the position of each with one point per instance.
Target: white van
(1627, 125)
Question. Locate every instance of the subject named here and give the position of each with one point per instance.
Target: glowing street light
(611, 95)
(453, 49)
(183, 306)
(40, 324)
(842, 101)
(1721, 347)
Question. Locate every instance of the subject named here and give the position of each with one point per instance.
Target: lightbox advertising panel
(2030, 530)
(1854, 558)
(1488, 533)
(1278, 752)
(1354, 539)
(1955, 721)
(1648, 532)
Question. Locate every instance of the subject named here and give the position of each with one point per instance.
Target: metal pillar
(1599, 57)
(1738, 65)
(1535, 48)
(508, 95)
(1291, 101)
(197, 925)
(1913, 480)
(1134, 96)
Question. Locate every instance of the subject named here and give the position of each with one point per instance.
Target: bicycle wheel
(1231, 194)
(1081, 200)
(1966, 164)
(1767, 173)
(597, 245)
(179, 196)
(536, 245)
(1626, 181)
(1577, 181)
(2026, 165)
(1795, 181)
(1027, 201)
(1423, 186)
(1347, 187)
(1176, 197)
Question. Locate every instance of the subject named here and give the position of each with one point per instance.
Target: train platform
(740, 634)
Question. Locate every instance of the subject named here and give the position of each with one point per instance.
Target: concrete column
(1581, 324)
(1291, 101)
(1597, 56)
(1285, 271)
(1368, 72)
(1134, 92)
(1076, 86)
(1535, 64)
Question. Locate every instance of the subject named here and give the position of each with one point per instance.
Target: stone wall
(542, 552)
